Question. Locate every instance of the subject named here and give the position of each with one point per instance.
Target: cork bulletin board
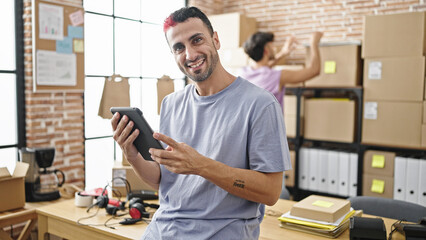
(58, 46)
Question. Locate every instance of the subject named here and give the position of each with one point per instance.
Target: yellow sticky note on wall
(378, 161)
(378, 186)
(323, 204)
(330, 67)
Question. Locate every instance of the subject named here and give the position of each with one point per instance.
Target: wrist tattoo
(239, 183)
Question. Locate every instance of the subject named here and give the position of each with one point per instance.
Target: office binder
(353, 174)
(400, 177)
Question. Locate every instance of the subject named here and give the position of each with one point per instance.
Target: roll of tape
(83, 200)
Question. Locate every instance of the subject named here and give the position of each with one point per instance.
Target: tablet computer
(145, 140)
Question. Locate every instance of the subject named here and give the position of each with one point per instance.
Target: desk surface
(67, 213)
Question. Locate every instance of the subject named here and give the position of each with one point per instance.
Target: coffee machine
(41, 181)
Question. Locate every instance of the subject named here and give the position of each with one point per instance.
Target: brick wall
(54, 119)
(340, 20)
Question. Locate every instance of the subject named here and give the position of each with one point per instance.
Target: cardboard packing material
(233, 57)
(290, 114)
(379, 163)
(129, 174)
(377, 186)
(290, 68)
(392, 123)
(340, 66)
(321, 208)
(165, 86)
(12, 187)
(290, 174)
(399, 79)
(330, 119)
(394, 35)
(233, 28)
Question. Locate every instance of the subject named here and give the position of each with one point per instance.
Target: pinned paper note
(378, 161)
(77, 18)
(378, 186)
(324, 204)
(64, 46)
(330, 67)
(78, 45)
(75, 32)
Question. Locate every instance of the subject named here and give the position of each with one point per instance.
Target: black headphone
(111, 205)
(137, 209)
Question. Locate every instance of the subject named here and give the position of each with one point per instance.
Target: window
(123, 37)
(11, 82)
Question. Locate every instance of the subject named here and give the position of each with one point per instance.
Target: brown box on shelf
(340, 66)
(330, 119)
(12, 187)
(423, 144)
(392, 123)
(321, 208)
(377, 186)
(233, 28)
(290, 114)
(290, 174)
(290, 68)
(379, 163)
(396, 79)
(424, 112)
(126, 172)
(392, 35)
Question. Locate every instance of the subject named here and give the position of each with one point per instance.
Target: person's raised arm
(312, 68)
(148, 171)
(288, 47)
(248, 184)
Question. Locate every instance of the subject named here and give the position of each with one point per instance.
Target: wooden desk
(61, 219)
(26, 214)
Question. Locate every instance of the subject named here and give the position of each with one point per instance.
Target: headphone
(111, 205)
(137, 211)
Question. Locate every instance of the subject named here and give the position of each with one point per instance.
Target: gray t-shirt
(241, 126)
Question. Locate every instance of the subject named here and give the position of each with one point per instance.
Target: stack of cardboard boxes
(378, 174)
(233, 30)
(394, 79)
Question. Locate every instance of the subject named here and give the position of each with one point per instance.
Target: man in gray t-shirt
(226, 144)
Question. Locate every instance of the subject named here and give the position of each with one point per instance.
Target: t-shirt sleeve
(267, 147)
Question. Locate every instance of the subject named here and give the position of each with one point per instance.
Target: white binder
(343, 186)
(322, 171)
(333, 172)
(400, 176)
(422, 183)
(303, 168)
(313, 169)
(353, 174)
(412, 184)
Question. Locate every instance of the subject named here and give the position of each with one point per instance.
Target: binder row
(328, 171)
(410, 180)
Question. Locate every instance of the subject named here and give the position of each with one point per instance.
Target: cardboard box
(423, 143)
(398, 79)
(424, 112)
(129, 174)
(379, 163)
(394, 35)
(321, 208)
(330, 119)
(165, 86)
(233, 57)
(12, 187)
(124, 161)
(291, 68)
(233, 29)
(290, 174)
(290, 114)
(391, 123)
(340, 66)
(377, 186)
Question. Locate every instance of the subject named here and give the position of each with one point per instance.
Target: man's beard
(199, 77)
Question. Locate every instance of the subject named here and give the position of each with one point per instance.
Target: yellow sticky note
(323, 204)
(378, 161)
(330, 67)
(378, 186)
(78, 45)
